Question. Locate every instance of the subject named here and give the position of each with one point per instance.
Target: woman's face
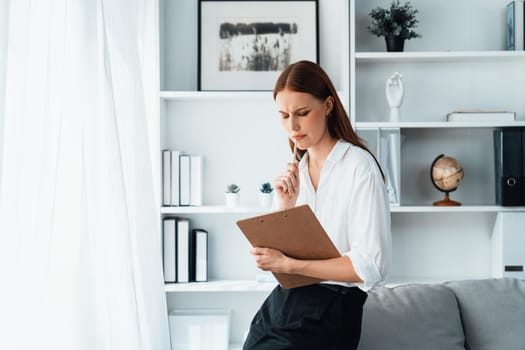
(303, 117)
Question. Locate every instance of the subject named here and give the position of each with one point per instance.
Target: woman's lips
(298, 137)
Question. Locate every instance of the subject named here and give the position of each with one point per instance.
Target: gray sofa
(486, 314)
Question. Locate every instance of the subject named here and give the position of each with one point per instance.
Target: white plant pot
(265, 200)
(232, 199)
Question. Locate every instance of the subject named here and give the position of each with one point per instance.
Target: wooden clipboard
(297, 233)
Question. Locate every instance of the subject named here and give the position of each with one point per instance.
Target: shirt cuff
(365, 269)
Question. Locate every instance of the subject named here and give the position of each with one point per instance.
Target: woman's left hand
(268, 259)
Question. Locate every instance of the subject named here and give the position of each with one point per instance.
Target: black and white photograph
(257, 46)
(510, 13)
(244, 45)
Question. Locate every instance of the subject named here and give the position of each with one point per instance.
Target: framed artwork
(510, 27)
(244, 45)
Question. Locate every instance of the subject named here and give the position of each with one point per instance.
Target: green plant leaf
(398, 20)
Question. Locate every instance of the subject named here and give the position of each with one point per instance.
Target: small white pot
(232, 199)
(265, 200)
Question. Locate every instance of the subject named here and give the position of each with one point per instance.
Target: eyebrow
(297, 110)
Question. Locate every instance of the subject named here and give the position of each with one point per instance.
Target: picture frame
(245, 45)
(510, 14)
(515, 26)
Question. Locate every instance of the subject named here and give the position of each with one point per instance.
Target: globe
(446, 174)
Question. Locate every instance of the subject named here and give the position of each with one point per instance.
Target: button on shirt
(352, 205)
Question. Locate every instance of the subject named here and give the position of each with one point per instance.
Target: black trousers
(310, 317)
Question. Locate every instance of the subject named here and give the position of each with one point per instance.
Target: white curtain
(3, 54)
(79, 245)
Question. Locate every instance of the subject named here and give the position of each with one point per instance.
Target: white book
(166, 177)
(196, 180)
(183, 250)
(175, 178)
(169, 250)
(481, 116)
(201, 255)
(185, 179)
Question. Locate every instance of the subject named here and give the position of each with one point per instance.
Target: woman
(342, 182)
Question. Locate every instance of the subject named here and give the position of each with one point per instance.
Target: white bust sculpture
(394, 95)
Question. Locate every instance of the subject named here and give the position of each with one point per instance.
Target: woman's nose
(294, 123)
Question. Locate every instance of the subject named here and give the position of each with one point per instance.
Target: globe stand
(446, 202)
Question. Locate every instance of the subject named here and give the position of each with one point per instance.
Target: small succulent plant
(232, 188)
(266, 188)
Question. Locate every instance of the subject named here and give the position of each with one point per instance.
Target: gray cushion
(411, 317)
(493, 312)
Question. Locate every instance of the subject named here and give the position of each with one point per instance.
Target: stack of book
(181, 179)
(481, 116)
(185, 252)
(515, 33)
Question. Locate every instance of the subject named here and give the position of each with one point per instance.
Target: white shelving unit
(458, 66)
(239, 136)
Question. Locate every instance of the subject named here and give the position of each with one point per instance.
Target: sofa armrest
(492, 311)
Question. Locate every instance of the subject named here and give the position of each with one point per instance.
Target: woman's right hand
(287, 186)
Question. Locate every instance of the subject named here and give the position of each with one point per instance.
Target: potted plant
(232, 195)
(265, 195)
(395, 24)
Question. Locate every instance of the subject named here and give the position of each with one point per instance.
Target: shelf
(216, 95)
(213, 209)
(459, 209)
(393, 209)
(434, 125)
(221, 286)
(439, 56)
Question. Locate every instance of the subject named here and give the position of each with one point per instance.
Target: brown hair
(309, 77)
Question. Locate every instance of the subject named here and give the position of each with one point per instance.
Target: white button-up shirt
(352, 205)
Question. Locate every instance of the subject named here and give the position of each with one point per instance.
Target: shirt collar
(338, 151)
(334, 156)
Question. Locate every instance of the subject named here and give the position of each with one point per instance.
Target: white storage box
(200, 329)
